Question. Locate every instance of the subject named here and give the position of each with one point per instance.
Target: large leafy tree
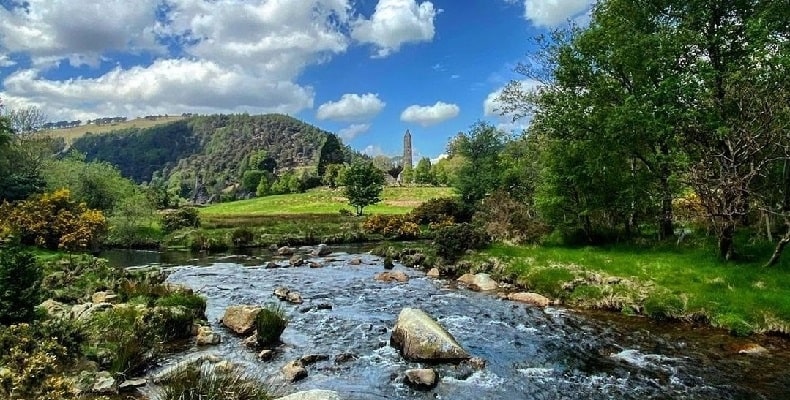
(481, 171)
(331, 153)
(363, 185)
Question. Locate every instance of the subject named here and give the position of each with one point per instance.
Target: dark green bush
(452, 241)
(664, 306)
(20, 286)
(201, 241)
(121, 340)
(270, 324)
(209, 383)
(441, 210)
(186, 217)
(242, 237)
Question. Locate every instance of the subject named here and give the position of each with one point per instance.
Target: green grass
(661, 281)
(395, 200)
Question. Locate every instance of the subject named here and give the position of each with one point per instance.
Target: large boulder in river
(321, 250)
(420, 338)
(241, 319)
(421, 379)
(392, 276)
(479, 282)
(314, 394)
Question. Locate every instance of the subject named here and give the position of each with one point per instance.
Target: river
(531, 353)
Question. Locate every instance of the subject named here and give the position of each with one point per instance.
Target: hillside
(202, 156)
(69, 135)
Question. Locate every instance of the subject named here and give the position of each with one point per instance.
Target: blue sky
(365, 69)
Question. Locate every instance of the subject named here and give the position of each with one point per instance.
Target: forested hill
(206, 153)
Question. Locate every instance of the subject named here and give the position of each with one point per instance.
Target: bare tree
(27, 120)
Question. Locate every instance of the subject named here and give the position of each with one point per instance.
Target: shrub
(270, 324)
(453, 240)
(186, 217)
(509, 220)
(242, 237)
(664, 306)
(120, 339)
(190, 301)
(73, 277)
(34, 357)
(20, 286)
(55, 221)
(441, 210)
(200, 241)
(391, 226)
(206, 382)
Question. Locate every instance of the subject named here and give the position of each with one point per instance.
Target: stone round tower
(407, 157)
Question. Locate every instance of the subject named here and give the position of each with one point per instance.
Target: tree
(422, 172)
(407, 175)
(251, 179)
(21, 162)
(20, 286)
(331, 153)
(333, 175)
(27, 120)
(480, 174)
(363, 185)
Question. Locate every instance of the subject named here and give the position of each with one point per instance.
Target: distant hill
(202, 156)
(71, 134)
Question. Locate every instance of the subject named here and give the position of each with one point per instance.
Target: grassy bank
(664, 281)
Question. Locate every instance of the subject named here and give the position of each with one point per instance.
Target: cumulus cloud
(430, 115)
(373, 150)
(353, 131)
(6, 61)
(78, 30)
(440, 157)
(394, 23)
(174, 86)
(550, 13)
(351, 107)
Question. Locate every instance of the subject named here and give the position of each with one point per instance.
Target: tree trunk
(666, 227)
(780, 246)
(726, 240)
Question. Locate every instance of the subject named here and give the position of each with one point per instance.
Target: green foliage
(452, 241)
(185, 217)
(21, 161)
(392, 226)
(54, 221)
(506, 219)
(444, 209)
(35, 357)
(331, 153)
(481, 171)
(363, 185)
(20, 286)
(333, 175)
(548, 281)
(251, 179)
(97, 184)
(121, 340)
(270, 324)
(663, 305)
(242, 237)
(196, 304)
(205, 382)
(422, 172)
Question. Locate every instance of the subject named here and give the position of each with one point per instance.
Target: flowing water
(531, 353)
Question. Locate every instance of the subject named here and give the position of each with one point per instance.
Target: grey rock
(421, 379)
(420, 338)
(313, 395)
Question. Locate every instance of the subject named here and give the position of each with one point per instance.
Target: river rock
(55, 308)
(421, 379)
(313, 358)
(177, 288)
(104, 297)
(392, 276)
(529, 298)
(296, 261)
(316, 265)
(479, 282)
(285, 251)
(752, 348)
(241, 318)
(131, 384)
(206, 336)
(86, 310)
(388, 264)
(266, 355)
(433, 273)
(251, 341)
(271, 265)
(104, 383)
(281, 292)
(355, 261)
(420, 338)
(321, 250)
(294, 371)
(313, 395)
(294, 298)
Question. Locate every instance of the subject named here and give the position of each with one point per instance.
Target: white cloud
(550, 13)
(430, 115)
(234, 55)
(373, 150)
(351, 107)
(167, 86)
(353, 131)
(394, 23)
(6, 61)
(79, 30)
(438, 158)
